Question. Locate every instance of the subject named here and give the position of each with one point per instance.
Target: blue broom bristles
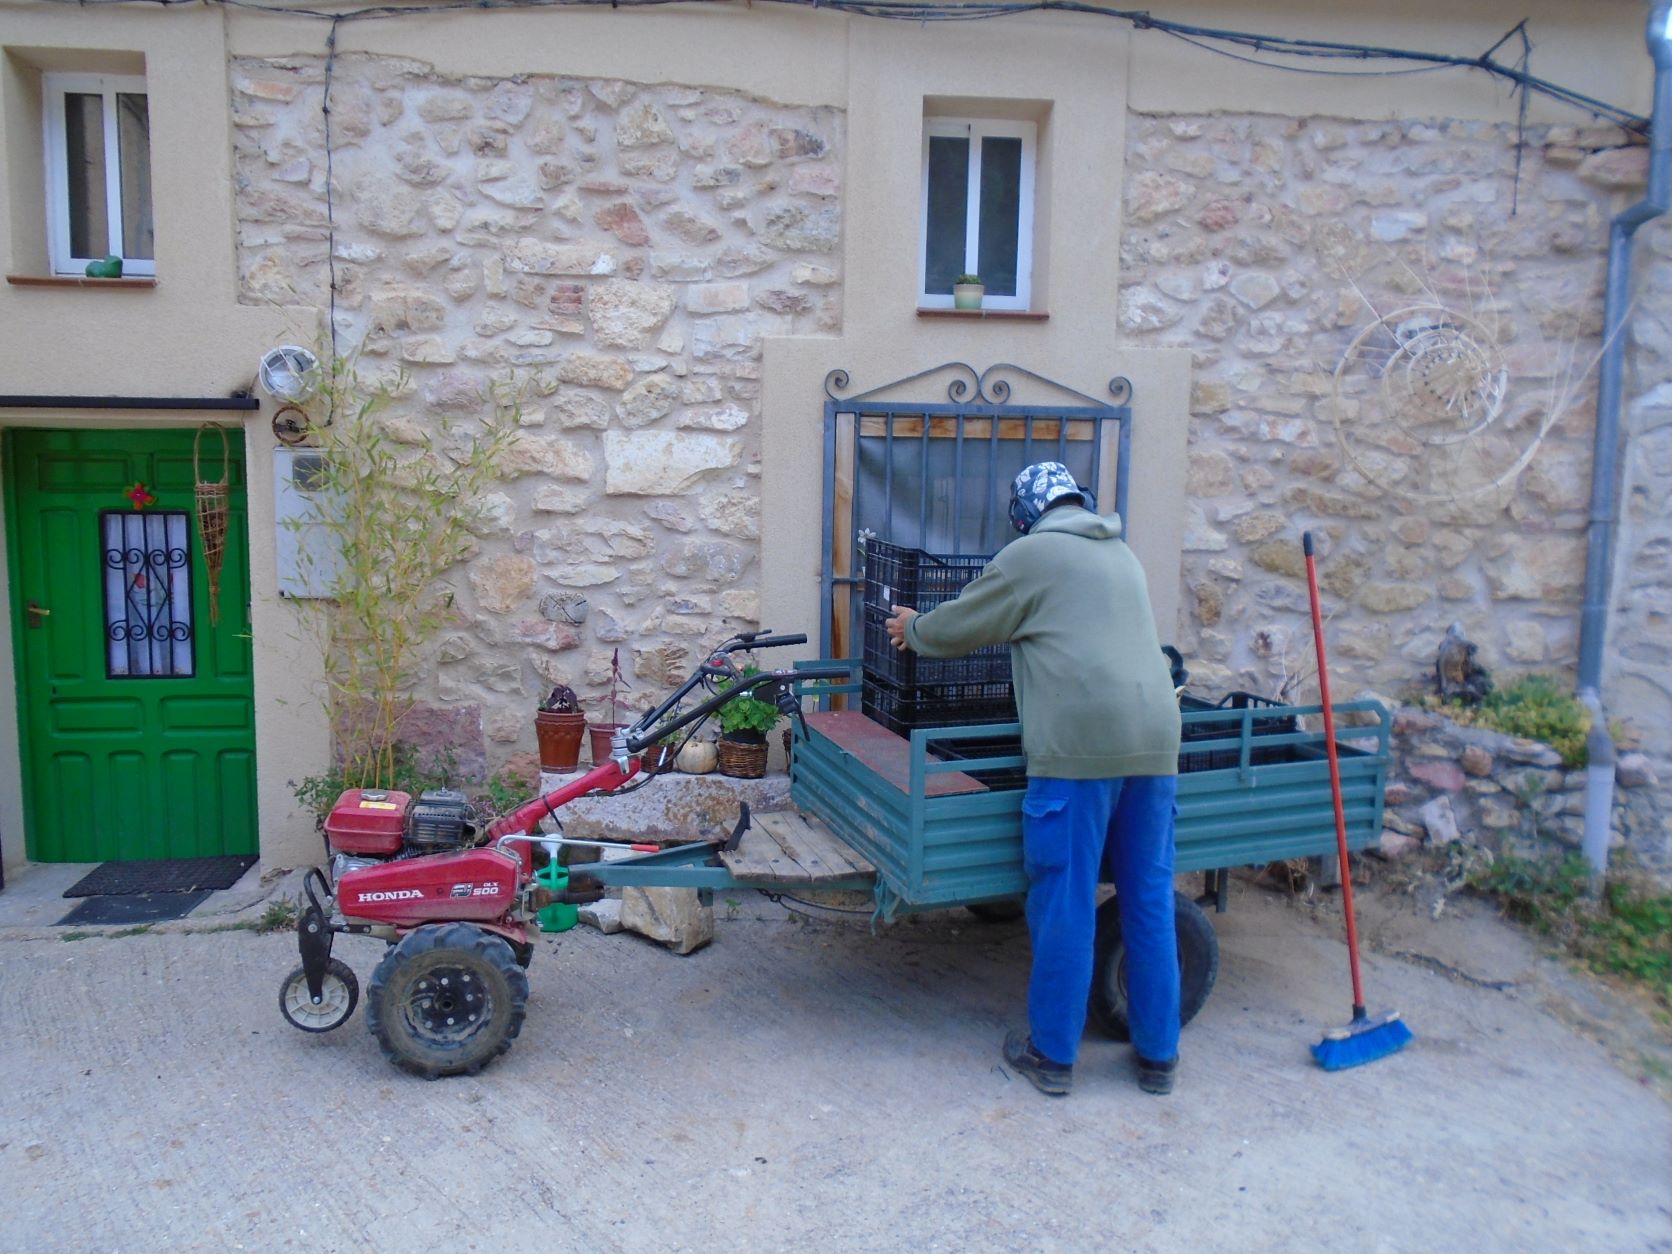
(1364, 1041)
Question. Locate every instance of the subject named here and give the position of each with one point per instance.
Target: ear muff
(1022, 514)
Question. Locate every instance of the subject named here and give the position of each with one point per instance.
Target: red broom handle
(1334, 775)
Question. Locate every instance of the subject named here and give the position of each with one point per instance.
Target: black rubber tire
(998, 911)
(447, 1000)
(341, 993)
(1198, 965)
(524, 954)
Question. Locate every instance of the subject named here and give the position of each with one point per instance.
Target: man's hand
(903, 614)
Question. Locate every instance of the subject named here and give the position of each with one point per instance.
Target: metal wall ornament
(969, 386)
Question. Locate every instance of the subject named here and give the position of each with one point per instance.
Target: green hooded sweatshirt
(1092, 685)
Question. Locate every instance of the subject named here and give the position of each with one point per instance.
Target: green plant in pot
(558, 725)
(967, 291)
(744, 722)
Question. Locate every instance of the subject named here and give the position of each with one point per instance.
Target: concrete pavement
(805, 1084)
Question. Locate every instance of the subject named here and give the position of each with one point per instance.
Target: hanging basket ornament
(212, 511)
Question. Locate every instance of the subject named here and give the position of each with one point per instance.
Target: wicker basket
(742, 761)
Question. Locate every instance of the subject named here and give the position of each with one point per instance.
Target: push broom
(1364, 1039)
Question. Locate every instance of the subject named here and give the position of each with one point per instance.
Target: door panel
(136, 713)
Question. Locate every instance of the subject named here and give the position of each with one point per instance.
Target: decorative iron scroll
(968, 386)
(147, 594)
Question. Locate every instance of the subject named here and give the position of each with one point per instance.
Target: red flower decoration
(140, 495)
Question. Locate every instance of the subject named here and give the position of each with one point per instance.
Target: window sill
(69, 280)
(996, 315)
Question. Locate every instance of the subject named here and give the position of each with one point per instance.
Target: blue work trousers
(1074, 833)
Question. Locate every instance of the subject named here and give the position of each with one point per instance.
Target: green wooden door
(136, 713)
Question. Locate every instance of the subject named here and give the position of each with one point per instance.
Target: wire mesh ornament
(213, 507)
(1420, 404)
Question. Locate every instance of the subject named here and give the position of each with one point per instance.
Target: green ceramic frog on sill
(109, 268)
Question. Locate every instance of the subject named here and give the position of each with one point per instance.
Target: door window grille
(147, 594)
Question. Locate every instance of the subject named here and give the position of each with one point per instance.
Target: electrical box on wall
(306, 550)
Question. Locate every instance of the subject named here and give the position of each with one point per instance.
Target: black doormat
(174, 875)
(134, 908)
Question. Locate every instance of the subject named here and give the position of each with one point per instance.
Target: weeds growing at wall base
(1625, 932)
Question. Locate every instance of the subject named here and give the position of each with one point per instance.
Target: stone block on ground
(674, 916)
(603, 914)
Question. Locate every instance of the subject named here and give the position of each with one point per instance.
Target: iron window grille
(936, 475)
(146, 562)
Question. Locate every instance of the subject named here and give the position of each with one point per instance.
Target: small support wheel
(339, 994)
(1198, 965)
(447, 1000)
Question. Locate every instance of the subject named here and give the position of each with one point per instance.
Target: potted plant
(967, 291)
(744, 722)
(602, 734)
(558, 724)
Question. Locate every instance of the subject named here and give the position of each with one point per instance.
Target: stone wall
(1266, 245)
(614, 253)
(1451, 783)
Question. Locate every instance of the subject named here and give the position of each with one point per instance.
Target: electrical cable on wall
(918, 11)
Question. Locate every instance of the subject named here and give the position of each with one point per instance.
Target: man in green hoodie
(1100, 729)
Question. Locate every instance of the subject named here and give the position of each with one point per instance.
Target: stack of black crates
(904, 691)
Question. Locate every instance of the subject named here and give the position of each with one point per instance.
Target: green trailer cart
(933, 820)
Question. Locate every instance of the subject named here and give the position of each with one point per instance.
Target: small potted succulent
(967, 291)
(558, 725)
(744, 722)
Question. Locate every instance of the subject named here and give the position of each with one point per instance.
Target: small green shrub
(1536, 707)
(280, 916)
(1627, 932)
(963, 279)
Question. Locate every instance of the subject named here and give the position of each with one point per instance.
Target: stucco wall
(728, 339)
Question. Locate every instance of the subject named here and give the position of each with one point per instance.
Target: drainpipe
(1599, 551)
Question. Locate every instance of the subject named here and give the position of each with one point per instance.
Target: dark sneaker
(1156, 1077)
(1051, 1078)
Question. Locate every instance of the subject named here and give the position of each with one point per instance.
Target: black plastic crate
(895, 575)
(1004, 778)
(903, 709)
(999, 778)
(1222, 759)
(1231, 706)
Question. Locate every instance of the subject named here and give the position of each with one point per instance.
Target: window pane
(949, 194)
(133, 131)
(1001, 198)
(85, 162)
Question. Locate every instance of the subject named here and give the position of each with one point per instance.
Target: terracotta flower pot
(560, 739)
(601, 735)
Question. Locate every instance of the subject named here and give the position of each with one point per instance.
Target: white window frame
(56, 87)
(975, 130)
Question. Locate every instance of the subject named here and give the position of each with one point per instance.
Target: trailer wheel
(1198, 965)
(339, 993)
(447, 1000)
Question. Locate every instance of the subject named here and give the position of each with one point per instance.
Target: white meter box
(306, 550)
